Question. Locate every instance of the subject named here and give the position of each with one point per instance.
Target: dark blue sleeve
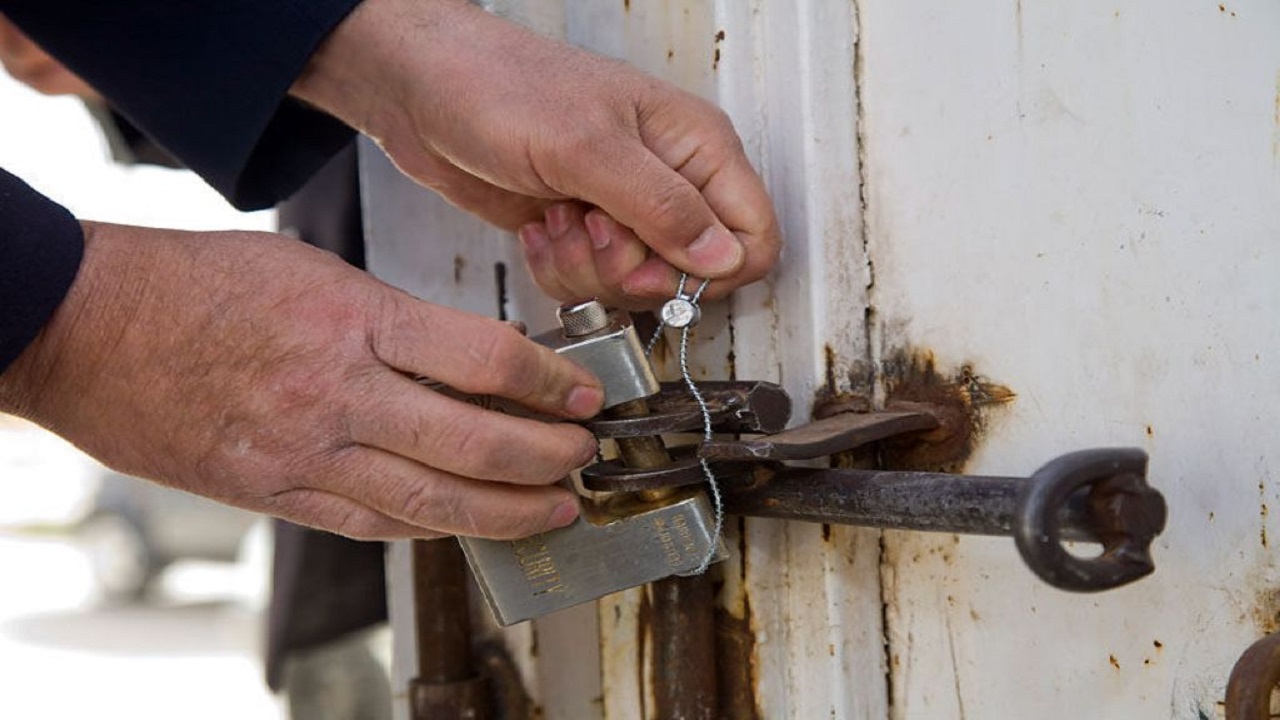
(208, 80)
(40, 250)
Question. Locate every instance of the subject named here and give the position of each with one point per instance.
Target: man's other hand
(258, 371)
(509, 124)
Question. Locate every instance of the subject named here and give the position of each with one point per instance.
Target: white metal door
(1075, 200)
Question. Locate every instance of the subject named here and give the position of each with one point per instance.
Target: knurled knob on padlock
(583, 318)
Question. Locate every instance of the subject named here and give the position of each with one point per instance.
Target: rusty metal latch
(1253, 681)
(1094, 495)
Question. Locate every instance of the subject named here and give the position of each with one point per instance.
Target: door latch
(656, 521)
(622, 541)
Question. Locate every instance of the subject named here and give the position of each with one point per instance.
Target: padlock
(620, 542)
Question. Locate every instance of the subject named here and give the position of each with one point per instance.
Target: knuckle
(425, 502)
(667, 204)
(357, 525)
(479, 453)
(497, 349)
(517, 522)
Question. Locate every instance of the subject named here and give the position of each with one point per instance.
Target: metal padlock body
(593, 557)
(603, 551)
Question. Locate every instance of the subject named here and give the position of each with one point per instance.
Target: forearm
(209, 84)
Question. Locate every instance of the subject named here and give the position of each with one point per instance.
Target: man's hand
(509, 124)
(263, 373)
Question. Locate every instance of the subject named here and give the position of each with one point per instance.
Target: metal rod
(447, 684)
(935, 502)
(683, 627)
(683, 630)
(684, 659)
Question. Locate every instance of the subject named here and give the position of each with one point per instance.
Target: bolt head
(680, 313)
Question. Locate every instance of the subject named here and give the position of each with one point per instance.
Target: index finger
(478, 355)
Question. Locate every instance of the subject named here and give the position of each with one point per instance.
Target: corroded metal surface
(681, 630)
(447, 684)
(684, 659)
(735, 407)
(1253, 681)
(1096, 495)
(828, 436)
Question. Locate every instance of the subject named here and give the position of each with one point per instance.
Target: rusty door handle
(1253, 679)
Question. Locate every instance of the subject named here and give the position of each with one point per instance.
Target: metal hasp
(1253, 681)
(1093, 495)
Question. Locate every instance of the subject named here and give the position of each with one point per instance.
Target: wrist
(43, 381)
(360, 74)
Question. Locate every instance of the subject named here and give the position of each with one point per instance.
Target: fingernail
(598, 230)
(534, 237)
(558, 219)
(564, 514)
(584, 401)
(716, 252)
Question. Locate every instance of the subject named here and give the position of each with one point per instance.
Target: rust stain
(644, 619)
(1262, 511)
(459, 264)
(1266, 611)
(826, 532)
(962, 400)
(626, 5)
(1157, 644)
(829, 358)
(1222, 8)
(1150, 432)
(731, 359)
(1114, 662)
(736, 675)
(715, 57)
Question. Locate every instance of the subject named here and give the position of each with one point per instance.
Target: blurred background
(106, 610)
